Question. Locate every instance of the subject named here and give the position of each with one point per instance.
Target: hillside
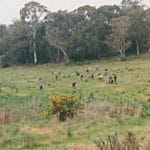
(110, 108)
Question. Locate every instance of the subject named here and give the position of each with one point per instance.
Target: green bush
(65, 106)
(5, 61)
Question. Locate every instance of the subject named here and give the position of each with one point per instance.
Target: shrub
(5, 61)
(145, 108)
(113, 142)
(65, 106)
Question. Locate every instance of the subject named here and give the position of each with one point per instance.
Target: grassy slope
(120, 107)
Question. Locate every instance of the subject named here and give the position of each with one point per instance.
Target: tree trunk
(98, 51)
(66, 57)
(123, 55)
(34, 52)
(1, 47)
(34, 45)
(137, 48)
(58, 56)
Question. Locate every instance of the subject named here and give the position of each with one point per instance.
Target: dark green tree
(3, 39)
(19, 43)
(58, 33)
(119, 38)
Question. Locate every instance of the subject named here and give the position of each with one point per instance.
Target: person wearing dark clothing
(106, 71)
(77, 73)
(92, 76)
(56, 77)
(41, 87)
(87, 70)
(81, 76)
(115, 78)
(110, 79)
(74, 85)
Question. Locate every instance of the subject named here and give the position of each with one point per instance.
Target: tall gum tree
(58, 33)
(118, 39)
(33, 13)
(147, 20)
(139, 28)
(3, 39)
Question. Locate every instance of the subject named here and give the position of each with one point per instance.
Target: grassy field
(109, 108)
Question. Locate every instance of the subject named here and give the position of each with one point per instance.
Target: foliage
(114, 143)
(65, 106)
(57, 34)
(3, 39)
(118, 39)
(146, 110)
(5, 61)
(33, 13)
(86, 33)
(124, 105)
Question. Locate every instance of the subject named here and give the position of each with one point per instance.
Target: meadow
(115, 110)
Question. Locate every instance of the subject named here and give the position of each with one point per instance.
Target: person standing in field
(115, 78)
(110, 79)
(100, 77)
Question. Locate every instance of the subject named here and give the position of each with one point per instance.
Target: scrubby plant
(114, 143)
(69, 132)
(145, 108)
(65, 106)
(5, 61)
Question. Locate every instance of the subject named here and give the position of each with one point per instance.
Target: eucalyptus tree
(119, 38)
(19, 42)
(58, 32)
(42, 48)
(103, 26)
(107, 12)
(3, 39)
(91, 27)
(33, 13)
(139, 29)
(84, 13)
(84, 41)
(129, 6)
(147, 21)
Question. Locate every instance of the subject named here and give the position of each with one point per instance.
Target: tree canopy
(86, 33)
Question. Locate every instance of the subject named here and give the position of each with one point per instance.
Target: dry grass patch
(22, 94)
(143, 97)
(91, 112)
(41, 130)
(102, 85)
(139, 83)
(117, 89)
(146, 90)
(83, 147)
(146, 144)
(101, 110)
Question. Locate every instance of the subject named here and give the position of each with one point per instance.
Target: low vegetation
(65, 106)
(29, 118)
(41, 36)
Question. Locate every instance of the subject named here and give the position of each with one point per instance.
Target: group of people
(111, 78)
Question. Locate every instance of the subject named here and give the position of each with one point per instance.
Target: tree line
(86, 33)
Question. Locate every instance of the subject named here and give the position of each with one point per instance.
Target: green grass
(110, 108)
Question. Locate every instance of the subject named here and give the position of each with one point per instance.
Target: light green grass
(23, 102)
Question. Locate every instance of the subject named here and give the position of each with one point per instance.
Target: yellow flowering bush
(65, 106)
